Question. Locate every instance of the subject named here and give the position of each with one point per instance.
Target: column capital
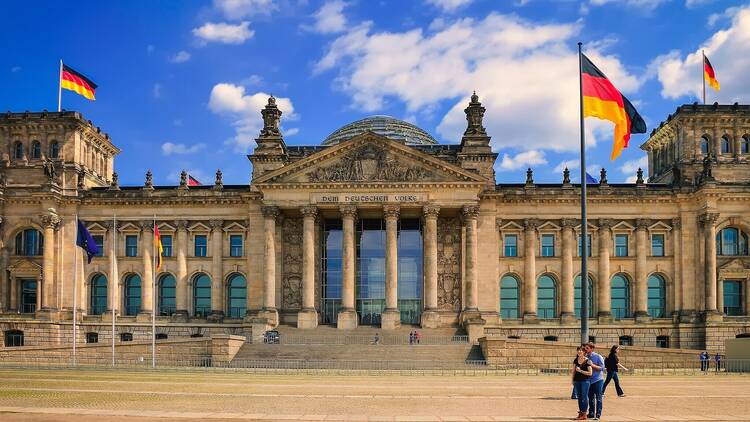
(530, 224)
(147, 225)
(605, 223)
(109, 225)
(568, 223)
(709, 218)
(391, 211)
(642, 223)
(270, 211)
(50, 221)
(309, 211)
(348, 211)
(182, 225)
(677, 223)
(216, 224)
(470, 212)
(431, 210)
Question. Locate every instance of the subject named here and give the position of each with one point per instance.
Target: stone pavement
(125, 396)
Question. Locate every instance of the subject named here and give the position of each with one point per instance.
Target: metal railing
(386, 339)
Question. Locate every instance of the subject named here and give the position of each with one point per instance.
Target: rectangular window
(235, 245)
(662, 341)
(588, 245)
(621, 245)
(548, 245)
(511, 245)
(166, 245)
(201, 242)
(99, 240)
(657, 245)
(131, 245)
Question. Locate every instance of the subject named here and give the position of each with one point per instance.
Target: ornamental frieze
(370, 164)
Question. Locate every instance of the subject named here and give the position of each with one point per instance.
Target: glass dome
(385, 126)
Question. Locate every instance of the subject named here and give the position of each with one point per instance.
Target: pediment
(234, 226)
(199, 227)
(734, 265)
(25, 267)
(549, 226)
(96, 227)
(659, 226)
(369, 158)
(129, 227)
(167, 227)
(511, 226)
(623, 226)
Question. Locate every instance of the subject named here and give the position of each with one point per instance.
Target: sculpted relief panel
(370, 163)
(449, 264)
(291, 287)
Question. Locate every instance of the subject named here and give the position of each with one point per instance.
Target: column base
(48, 314)
(390, 319)
(470, 314)
(474, 329)
(642, 317)
(179, 316)
(605, 317)
(688, 316)
(430, 319)
(307, 318)
(346, 319)
(530, 318)
(107, 316)
(567, 318)
(271, 315)
(712, 316)
(143, 316)
(215, 316)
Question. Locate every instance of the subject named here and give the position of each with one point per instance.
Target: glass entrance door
(370, 289)
(28, 296)
(410, 270)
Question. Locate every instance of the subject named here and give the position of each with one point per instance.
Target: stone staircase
(327, 347)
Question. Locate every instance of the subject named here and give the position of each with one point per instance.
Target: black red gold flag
(77, 82)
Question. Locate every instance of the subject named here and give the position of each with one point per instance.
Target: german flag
(601, 99)
(75, 81)
(158, 246)
(709, 74)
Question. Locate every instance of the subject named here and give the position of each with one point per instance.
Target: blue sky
(181, 82)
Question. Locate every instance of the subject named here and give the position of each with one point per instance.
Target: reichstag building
(379, 225)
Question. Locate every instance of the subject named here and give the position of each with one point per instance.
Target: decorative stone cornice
(677, 223)
(642, 223)
(391, 211)
(216, 224)
(470, 212)
(431, 211)
(309, 211)
(348, 211)
(270, 211)
(530, 224)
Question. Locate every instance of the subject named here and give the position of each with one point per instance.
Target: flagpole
(584, 222)
(75, 292)
(153, 299)
(703, 76)
(59, 89)
(113, 283)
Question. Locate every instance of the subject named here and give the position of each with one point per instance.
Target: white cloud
(691, 4)
(631, 179)
(169, 148)
(180, 57)
(521, 160)
(252, 80)
(238, 9)
(448, 5)
(224, 32)
(177, 122)
(729, 51)
(150, 49)
(15, 69)
(494, 56)
(329, 18)
(569, 164)
(631, 166)
(156, 91)
(231, 100)
(291, 131)
(643, 4)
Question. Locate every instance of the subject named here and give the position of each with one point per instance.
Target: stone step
(455, 354)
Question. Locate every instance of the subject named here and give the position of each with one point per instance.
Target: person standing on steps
(411, 337)
(417, 336)
(717, 360)
(581, 375)
(613, 365)
(596, 382)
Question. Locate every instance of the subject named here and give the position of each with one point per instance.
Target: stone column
(45, 298)
(4, 290)
(114, 276)
(677, 279)
(147, 292)
(470, 214)
(641, 271)
(709, 231)
(270, 214)
(529, 271)
(181, 290)
(347, 316)
(217, 270)
(307, 317)
(391, 318)
(604, 291)
(430, 315)
(567, 313)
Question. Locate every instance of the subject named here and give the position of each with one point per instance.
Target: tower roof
(382, 125)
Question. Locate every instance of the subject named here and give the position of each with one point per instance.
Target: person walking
(704, 360)
(411, 337)
(417, 336)
(596, 382)
(717, 360)
(581, 375)
(376, 339)
(613, 365)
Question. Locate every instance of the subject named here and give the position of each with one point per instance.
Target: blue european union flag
(86, 241)
(590, 179)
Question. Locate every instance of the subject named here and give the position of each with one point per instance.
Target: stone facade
(658, 272)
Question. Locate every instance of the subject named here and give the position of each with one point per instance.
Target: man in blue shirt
(596, 382)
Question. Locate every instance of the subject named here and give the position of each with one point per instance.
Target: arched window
(546, 297)
(509, 306)
(726, 145)
(657, 296)
(731, 242)
(13, 338)
(132, 294)
(201, 295)
(36, 150)
(54, 150)
(237, 296)
(733, 298)
(98, 300)
(167, 295)
(704, 145)
(745, 144)
(577, 297)
(29, 242)
(620, 296)
(18, 151)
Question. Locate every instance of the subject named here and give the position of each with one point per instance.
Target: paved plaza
(88, 396)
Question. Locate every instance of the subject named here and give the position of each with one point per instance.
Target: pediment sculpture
(370, 164)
